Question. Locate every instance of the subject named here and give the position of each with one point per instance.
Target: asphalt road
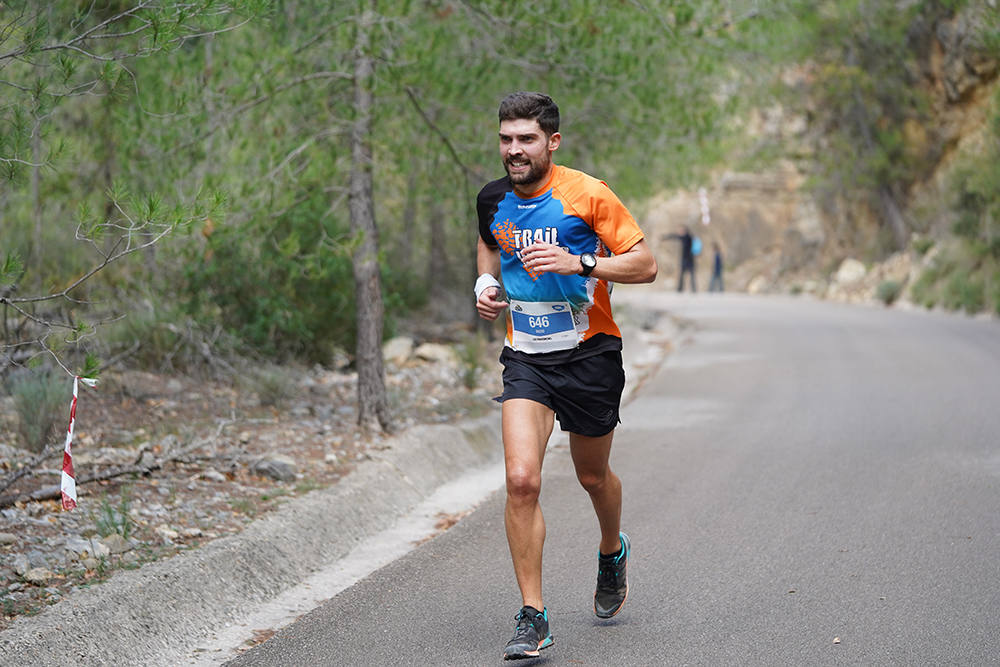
(806, 484)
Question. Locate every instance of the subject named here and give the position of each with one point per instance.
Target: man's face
(526, 152)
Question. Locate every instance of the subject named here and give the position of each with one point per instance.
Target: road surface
(806, 483)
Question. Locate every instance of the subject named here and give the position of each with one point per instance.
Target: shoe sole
(547, 642)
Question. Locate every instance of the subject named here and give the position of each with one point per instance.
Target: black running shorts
(585, 394)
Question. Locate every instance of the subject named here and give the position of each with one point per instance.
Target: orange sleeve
(612, 221)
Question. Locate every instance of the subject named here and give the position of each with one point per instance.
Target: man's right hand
(489, 304)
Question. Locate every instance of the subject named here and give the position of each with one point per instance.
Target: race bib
(542, 326)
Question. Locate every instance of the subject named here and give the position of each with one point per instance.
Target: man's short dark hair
(531, 106)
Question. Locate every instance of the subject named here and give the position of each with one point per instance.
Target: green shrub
(470, 354)
(114, 519)
(278, 291)
(967, 225)
(922, 245)
(41, 400)
(167, 339)
(965, 292)
(274, 385)
(144, 336)
(888, 291)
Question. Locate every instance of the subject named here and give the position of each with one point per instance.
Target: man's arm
(489, 304)
(635, 265)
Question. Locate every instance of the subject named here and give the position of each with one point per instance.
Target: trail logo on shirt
(511, 239)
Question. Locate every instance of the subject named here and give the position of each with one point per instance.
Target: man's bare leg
(527, 426)
(590, 458)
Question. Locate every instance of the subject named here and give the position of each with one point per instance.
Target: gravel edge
(152, 614)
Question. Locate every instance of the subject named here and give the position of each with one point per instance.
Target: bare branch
(229, 114)
(434, 128)
(54, 491)
(297, 151)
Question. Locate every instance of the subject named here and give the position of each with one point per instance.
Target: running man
(557, 238)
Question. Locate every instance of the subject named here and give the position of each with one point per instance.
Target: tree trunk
(892, 215)
(373, 412)
(404, 246)
(35, 256)
(438, 275)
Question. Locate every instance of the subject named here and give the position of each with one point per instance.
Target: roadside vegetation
(233, 191)
(221, 188)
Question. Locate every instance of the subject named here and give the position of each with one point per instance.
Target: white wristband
(485, 281)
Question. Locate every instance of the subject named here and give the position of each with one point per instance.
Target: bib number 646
(539, 321)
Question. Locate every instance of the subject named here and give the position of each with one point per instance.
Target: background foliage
(225, 126)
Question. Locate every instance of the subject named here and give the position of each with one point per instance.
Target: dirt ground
(201, 444)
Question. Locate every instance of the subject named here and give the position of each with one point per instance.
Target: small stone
(280, 468)
(37, 559)
(8, 538)
(117, 544)
(437, 353)
(397, 350)
(167, 533)
(80, 547)
(147, 460)
(90, 563)
(188, 533)
(213, 475)
(38, 575)
(850, 272)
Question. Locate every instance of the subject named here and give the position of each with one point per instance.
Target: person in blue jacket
(687, 256)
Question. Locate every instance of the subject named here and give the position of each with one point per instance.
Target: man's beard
(536, 170)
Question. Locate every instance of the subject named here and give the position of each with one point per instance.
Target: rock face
(765, 224)
(778, 235)
(962, 63)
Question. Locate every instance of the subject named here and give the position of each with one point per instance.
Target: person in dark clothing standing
(687, 256)
(716, 284)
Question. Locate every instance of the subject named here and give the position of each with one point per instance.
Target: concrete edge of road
(142, 616)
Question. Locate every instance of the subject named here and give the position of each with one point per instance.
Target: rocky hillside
(780, 233)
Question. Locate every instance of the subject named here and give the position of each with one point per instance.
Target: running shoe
(612, 581)
(531, 634)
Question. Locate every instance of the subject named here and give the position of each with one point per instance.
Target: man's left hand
(550, 258)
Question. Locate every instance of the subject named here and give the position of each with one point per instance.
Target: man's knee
(595, 481)
(524, 483)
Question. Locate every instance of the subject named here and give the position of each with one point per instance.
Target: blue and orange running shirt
(572, 210)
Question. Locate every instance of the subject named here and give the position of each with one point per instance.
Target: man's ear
(554, 140)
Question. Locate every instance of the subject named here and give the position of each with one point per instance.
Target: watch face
(588, 260)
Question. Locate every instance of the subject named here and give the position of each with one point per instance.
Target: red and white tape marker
(703, 201)
(68, 480)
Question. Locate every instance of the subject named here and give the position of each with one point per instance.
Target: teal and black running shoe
(612, 580)
(530, 635)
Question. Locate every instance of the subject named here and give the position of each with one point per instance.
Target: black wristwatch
(588, 261)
